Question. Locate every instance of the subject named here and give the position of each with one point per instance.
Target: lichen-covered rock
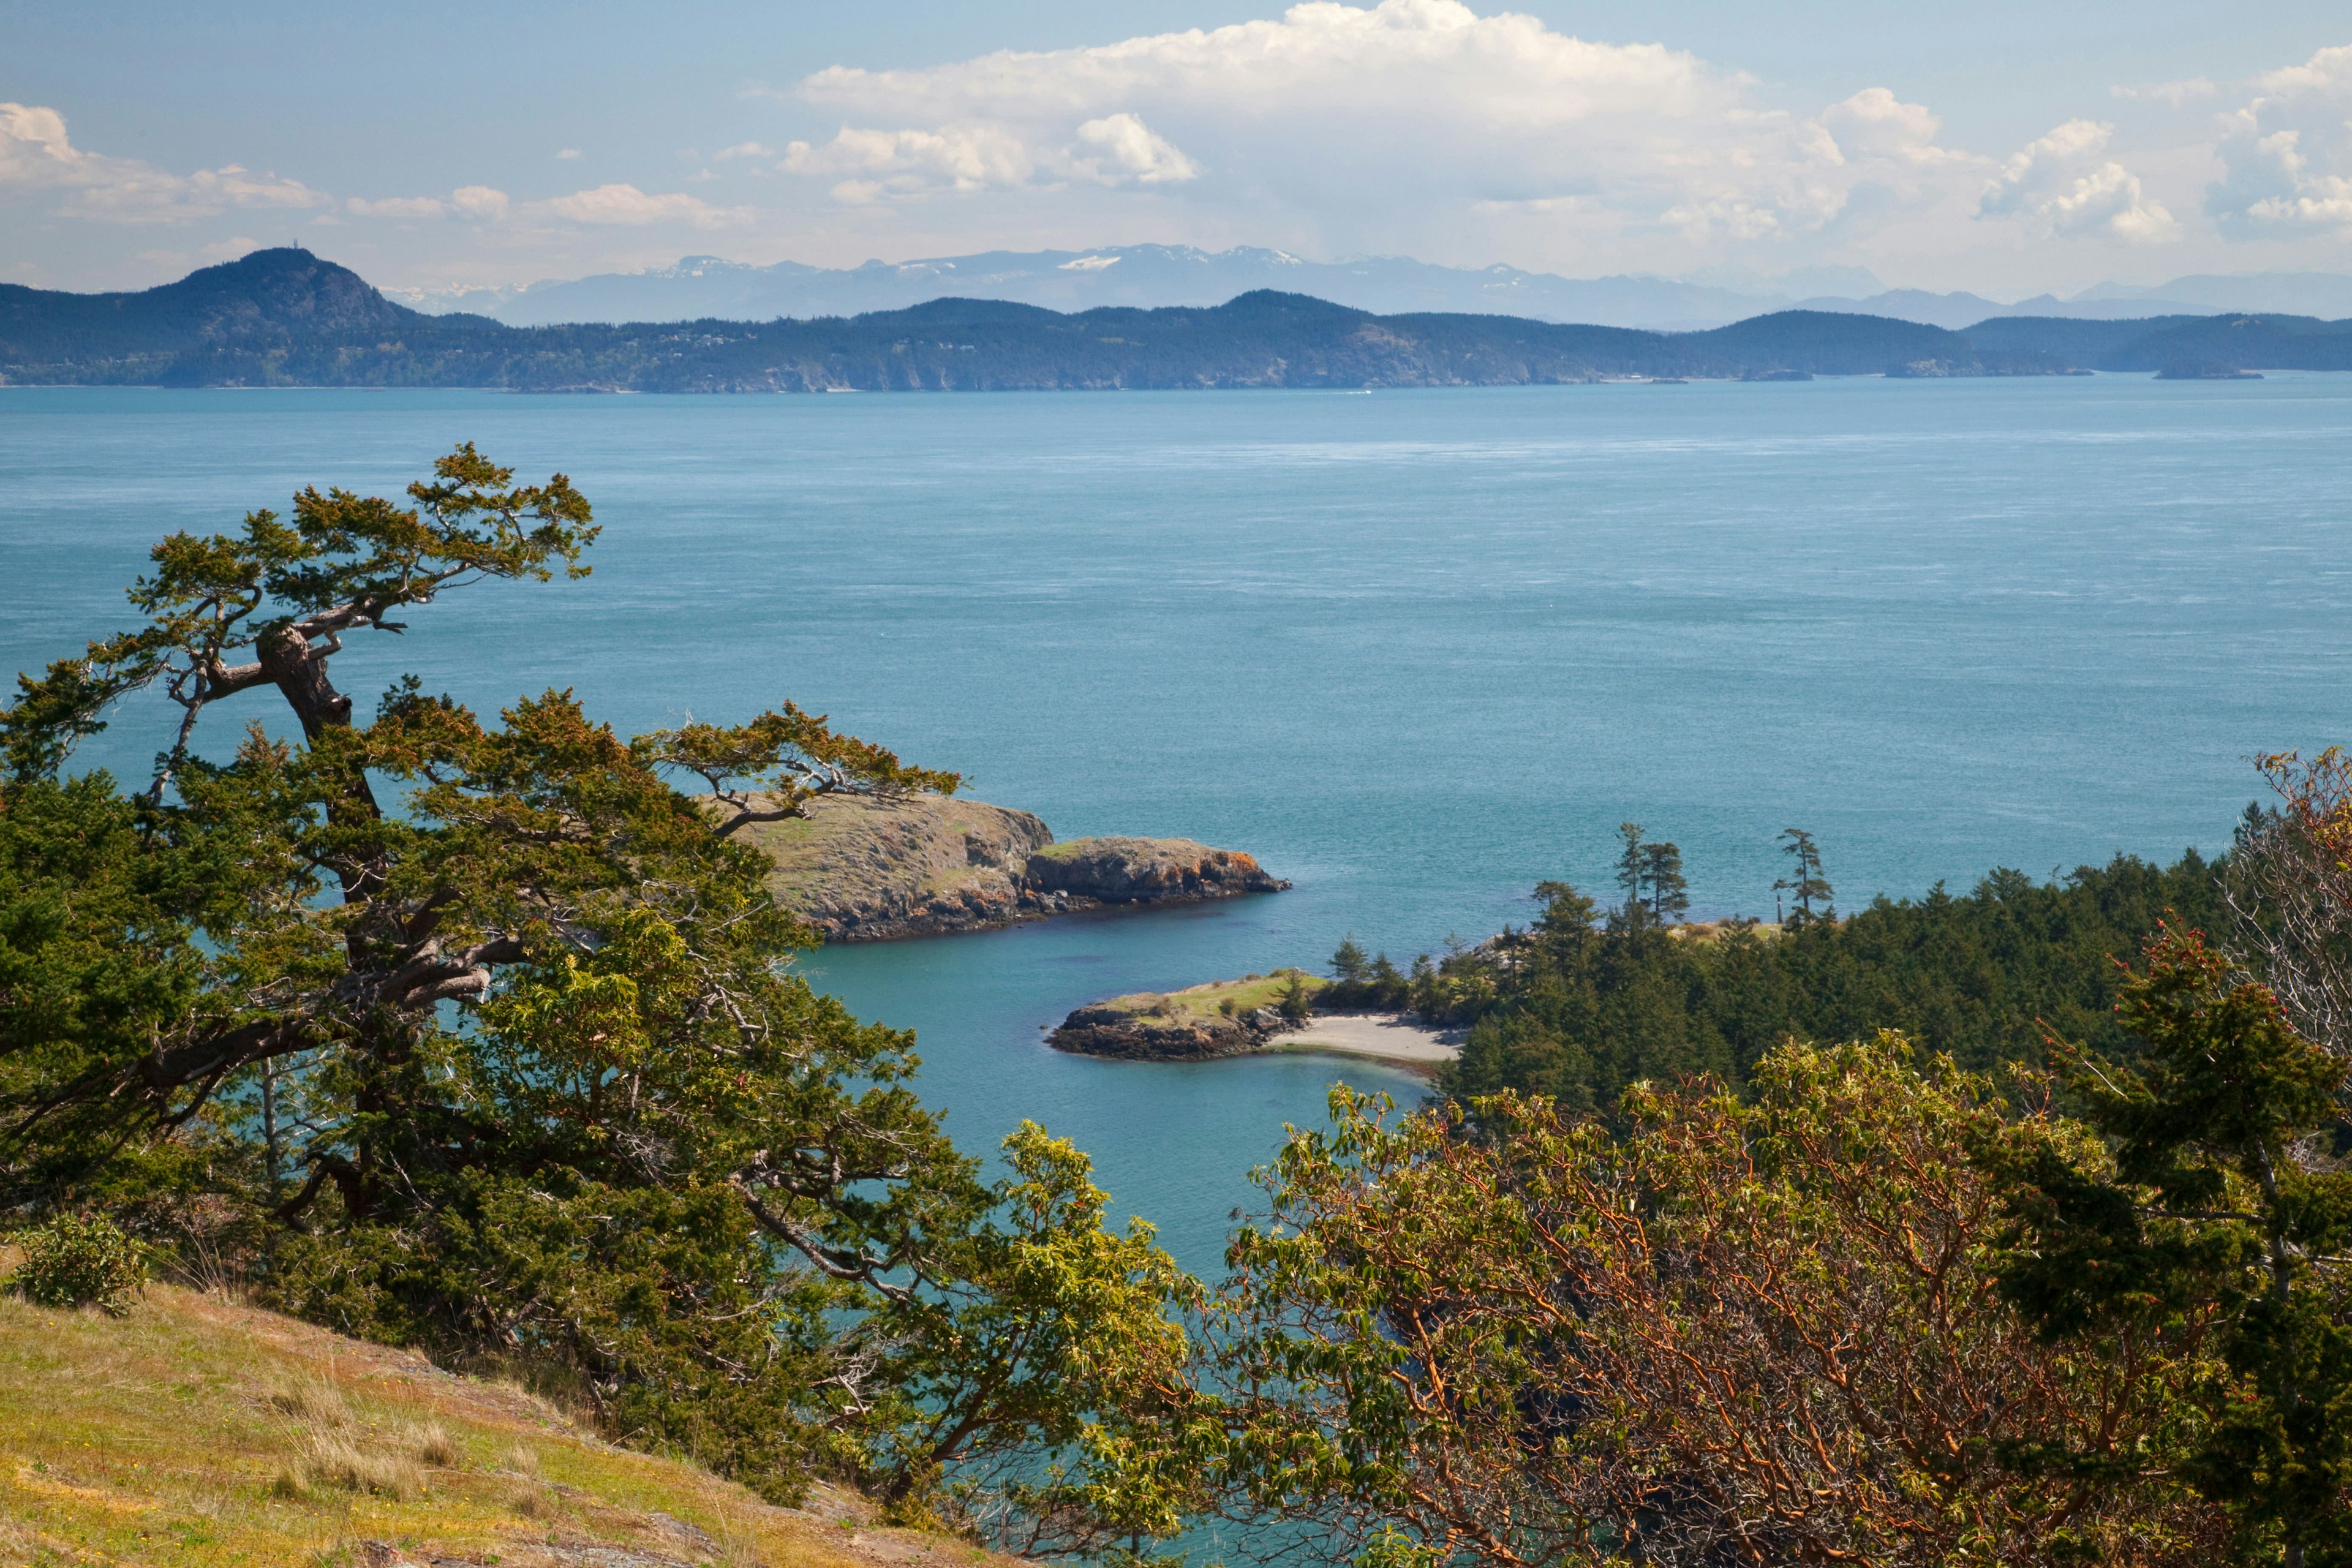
(865, 869)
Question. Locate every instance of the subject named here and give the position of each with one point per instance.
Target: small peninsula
(877, 868)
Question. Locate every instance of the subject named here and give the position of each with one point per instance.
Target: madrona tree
(481, 1035)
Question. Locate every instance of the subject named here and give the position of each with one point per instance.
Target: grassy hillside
(197, 1432)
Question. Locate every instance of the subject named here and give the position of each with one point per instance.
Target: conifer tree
(1629, 864)
(1350, 967)
(1661, 874)
(1805, 886)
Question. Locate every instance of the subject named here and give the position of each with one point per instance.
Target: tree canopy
(552, 1096)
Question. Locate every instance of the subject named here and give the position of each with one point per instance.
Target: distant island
(285, 317)
(878, 869)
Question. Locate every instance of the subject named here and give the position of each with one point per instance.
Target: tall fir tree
(1662, 877)
(1805, 885)
(1630, 864)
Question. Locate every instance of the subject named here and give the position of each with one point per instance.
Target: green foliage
(1758, 1329)
(1038, 1370)
(1350, 965)
(2198, 1203)
(80, 1260)
(552, 1099)
(1583, 1008)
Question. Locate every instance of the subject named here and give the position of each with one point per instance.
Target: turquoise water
(1415, 651)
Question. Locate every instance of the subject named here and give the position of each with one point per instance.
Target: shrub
(80, 1260)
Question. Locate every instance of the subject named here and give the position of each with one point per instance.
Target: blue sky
(2002, 147)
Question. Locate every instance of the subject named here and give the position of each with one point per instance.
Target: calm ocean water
(1415, 651)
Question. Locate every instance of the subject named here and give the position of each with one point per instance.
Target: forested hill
(285, 318)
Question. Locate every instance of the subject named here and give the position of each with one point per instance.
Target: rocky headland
(861, 868)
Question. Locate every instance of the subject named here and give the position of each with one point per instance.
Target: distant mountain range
(1149, 276)
(285, 318)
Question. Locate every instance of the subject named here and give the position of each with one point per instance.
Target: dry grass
(861, 853)
(196, 1432)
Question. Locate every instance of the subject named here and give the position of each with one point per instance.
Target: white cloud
(1131, 150)
(742, 150)
(906, 162)
(1874, 123)
(2063, 182)
(2287, 154)
(627, 206)
(1111, 150)
(37, 155)
(566, 155)
(2173, 94)
(1348, 117)
(397, 207)
(478, 203)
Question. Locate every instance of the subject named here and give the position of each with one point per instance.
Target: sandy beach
(1390, 1036)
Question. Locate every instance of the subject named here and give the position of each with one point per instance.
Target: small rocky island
(1227, 1019)
(868, 869)
(1239, 1017)
(2205, 370)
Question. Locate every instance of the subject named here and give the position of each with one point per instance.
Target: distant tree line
(1585, 1002)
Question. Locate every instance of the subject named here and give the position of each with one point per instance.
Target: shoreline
(1396, 1040)
(1251, 1017)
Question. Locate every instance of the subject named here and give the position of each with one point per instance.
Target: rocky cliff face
(862, 869)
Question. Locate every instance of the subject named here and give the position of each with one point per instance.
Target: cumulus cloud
(2287, 154)
(627, 206)
(1127, 149)
(1110, 150)
(1352, 113)
(2065, 182)
(905, 163)
(1874, 123)
(38, 156)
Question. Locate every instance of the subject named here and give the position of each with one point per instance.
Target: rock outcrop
(864, 869)
(1180, 1036)
(1144, 870)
